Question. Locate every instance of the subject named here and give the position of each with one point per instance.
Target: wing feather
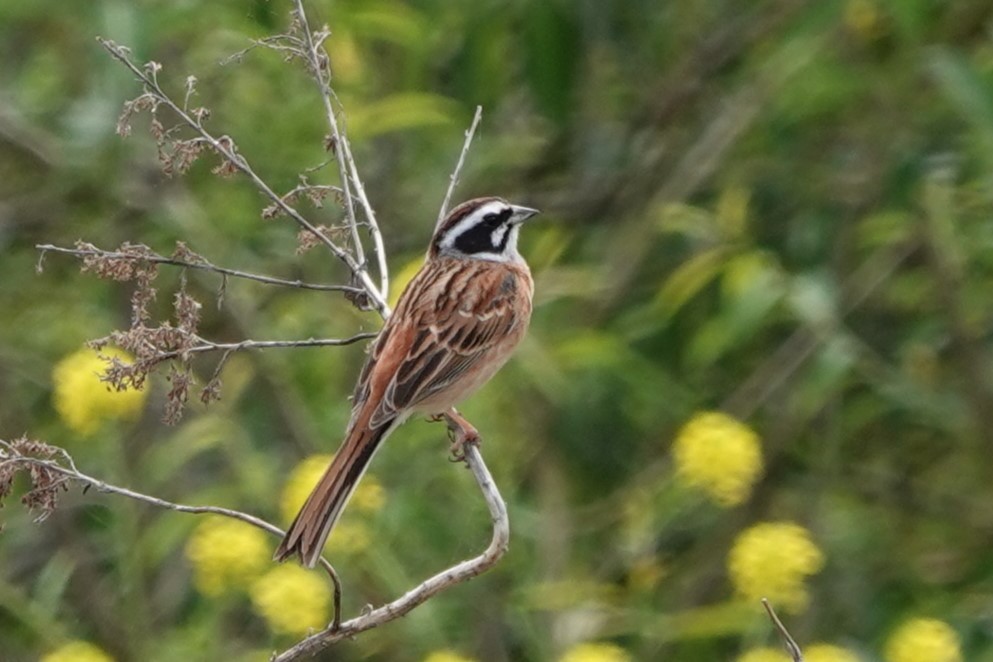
(444, 325)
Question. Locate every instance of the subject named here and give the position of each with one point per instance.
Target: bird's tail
(310, 530)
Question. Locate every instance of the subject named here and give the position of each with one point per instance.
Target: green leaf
(552, 52)
(689, 278)
(968, 92)
(397, 22)
(400, 112)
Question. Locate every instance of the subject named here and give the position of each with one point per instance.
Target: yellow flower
(369, 496)
(771, 560)
(82, 401)
(226, 554)
(765, 655)
(77, 651)
(292, 600)
(447, 656)
(719, 455)
(349, 536)
(923, 640)
(595, 652)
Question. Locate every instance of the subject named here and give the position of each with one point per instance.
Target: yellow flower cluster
(718, 454)
(292, 600)
(82, 401)
(231, 556)
(447, 656)
(595, 652)
(814, 653)
(771, 560)
(77, 651)
(350, 535)
(226, 554)
(923, 640)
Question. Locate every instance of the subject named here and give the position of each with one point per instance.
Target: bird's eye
(491, 220)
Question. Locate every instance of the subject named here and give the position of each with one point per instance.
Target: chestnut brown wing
(450, 318)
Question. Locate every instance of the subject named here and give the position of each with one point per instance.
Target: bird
(455, 325)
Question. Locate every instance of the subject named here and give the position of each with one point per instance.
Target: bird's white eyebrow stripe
(470, 220)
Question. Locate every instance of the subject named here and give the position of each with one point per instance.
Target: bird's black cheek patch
(479, 239)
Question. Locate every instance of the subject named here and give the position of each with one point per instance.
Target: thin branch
(453, 180)
(792, 648)
(320, 72)
(208, 346)
(377, 236)
(317, 61)
(464, 571)
(205, 266)
(10, 456)
(225, 147)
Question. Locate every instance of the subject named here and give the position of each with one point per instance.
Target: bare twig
(208, 346)
(453, 180)
(186, 264)
(317, 62)
(10, 457)
(792, 648)
(225, 146)
(430, 587)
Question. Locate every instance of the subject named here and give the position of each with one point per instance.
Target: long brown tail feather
(312, 526)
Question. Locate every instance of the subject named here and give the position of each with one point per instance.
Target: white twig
(377, 236)
(317, 60)
(453, 180)
(319, 70)
(430, 587)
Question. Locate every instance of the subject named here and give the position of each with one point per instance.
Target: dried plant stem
(317, 62)
(225, 147)
(456, 574)
(209, 346)
(789, 643)
(453, 180)
(72, 473)
(203, 266)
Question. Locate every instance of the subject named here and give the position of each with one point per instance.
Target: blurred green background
(778, 209)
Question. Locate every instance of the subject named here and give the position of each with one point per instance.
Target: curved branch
(10, 455)
(464, 571)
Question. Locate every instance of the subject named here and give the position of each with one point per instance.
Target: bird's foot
(461, 432)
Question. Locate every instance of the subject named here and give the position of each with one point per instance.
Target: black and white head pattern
(484, 229)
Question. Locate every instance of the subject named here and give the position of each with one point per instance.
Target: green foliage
(779, 210)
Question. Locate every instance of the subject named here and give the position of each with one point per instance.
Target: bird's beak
(522, 214)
